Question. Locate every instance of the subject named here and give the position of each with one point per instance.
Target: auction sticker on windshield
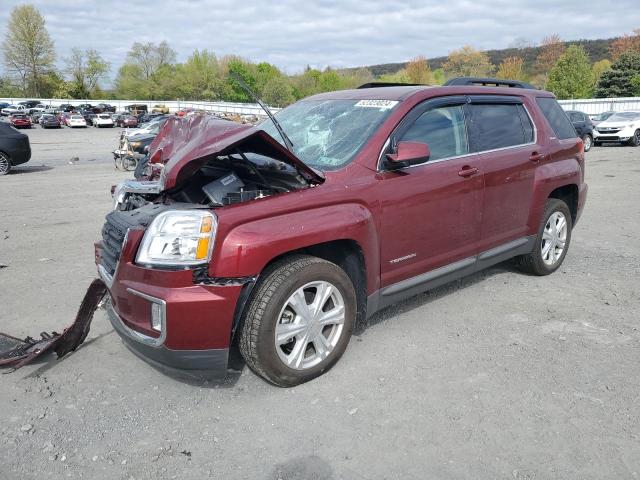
(381, 104)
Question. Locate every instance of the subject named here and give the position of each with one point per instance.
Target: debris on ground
(16, 353)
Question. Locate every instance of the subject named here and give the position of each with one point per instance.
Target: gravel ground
(500, 375)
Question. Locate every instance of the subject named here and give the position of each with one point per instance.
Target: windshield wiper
(287, 141)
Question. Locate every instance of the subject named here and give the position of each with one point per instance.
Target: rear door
(431, 212)
(503, 135)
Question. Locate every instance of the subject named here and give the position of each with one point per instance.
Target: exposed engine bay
(221, 181)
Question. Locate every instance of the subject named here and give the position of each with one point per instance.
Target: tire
(535, 262)
(635, 140)
(587, 141)
(286, 283)
(5, 163)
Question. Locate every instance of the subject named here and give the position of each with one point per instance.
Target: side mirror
(408, 153)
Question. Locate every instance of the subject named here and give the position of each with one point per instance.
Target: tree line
(151, 70)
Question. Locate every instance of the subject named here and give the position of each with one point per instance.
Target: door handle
(467, 171)
(536, 157)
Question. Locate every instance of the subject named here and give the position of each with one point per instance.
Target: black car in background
(105, 107)
(14, 148)
(66, 107)
(29, 103)
(88, 116)
(584, 127)
(49, 121)
(140, 141)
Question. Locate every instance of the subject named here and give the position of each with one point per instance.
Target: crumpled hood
(186, 144)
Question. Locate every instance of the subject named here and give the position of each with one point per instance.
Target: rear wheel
(552, 242)
(5, 164)
(587, 141)
(299, 320)
(635, 140)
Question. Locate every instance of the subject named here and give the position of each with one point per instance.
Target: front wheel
(587, 141)
(299, 320)
(552, 242)
(635, 140)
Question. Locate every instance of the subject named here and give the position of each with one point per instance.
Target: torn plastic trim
(27, 350)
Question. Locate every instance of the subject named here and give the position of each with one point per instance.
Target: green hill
(596, 49)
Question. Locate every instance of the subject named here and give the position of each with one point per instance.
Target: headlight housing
(178, 238)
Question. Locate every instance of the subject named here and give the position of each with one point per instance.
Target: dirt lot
(500, 375)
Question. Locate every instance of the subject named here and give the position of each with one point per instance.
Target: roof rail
(487, 82)
(389, 84)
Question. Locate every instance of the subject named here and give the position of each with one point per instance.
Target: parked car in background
(35, 116)
(103, 120)
(105, 107)
(66, 107)
(147, 128)
(29, 103)
(126, 120)
(379, 194)
(584, 128)
(20, 120)
(4, 105)
(140, 141)
(136, 108)
(160, 109)
(38, 108)
(621, 127)
(63, 117)
(76, 120)
(14, 148)
(49, 121)
(600, 117)
(11, 109)
(88, 116)
(151, 117)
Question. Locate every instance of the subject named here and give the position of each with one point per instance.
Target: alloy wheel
(310, 325)
(5, 166)
(554, 238)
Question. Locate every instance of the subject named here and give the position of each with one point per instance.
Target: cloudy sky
(293, 34)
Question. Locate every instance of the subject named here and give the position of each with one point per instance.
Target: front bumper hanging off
(17, 353)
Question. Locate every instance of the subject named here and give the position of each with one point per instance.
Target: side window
(527, 126)
(443, 129)
(556, 117)
(497, 126)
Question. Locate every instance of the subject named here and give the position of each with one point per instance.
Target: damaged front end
(157, 242)
(210, 162)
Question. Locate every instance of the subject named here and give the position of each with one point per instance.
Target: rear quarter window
(556, 117)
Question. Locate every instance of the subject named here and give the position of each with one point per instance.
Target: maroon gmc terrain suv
(282, 238)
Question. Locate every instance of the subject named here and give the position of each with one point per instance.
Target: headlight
(178, 237)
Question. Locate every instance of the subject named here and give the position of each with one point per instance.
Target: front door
(430, 214)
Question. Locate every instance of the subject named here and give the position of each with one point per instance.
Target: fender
(247, 248)
(549, 177)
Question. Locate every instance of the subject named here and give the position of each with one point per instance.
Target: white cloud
(293, 34)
